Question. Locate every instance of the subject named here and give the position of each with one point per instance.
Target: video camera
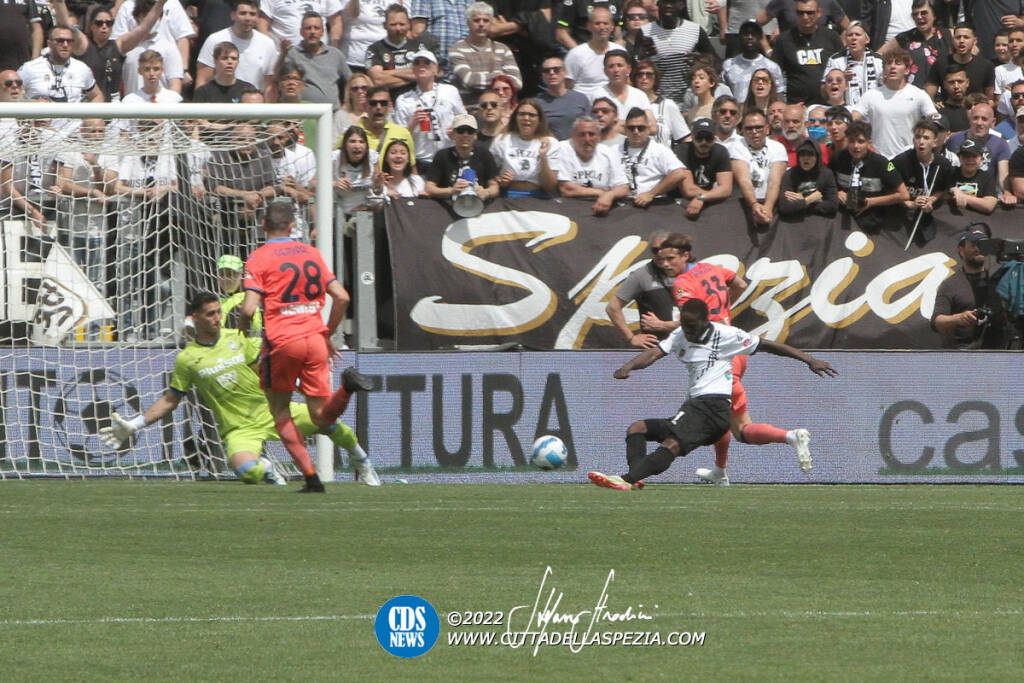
(1003, 249)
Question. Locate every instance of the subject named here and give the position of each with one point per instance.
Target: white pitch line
(179, 620)
(815, 614)
(777, 614)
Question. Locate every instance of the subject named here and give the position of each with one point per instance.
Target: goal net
(111, 218)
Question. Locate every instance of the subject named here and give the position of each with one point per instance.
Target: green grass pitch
(136, 580)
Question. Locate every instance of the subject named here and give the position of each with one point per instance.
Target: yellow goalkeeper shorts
(250, 438)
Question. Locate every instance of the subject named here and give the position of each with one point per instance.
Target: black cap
(942, 121)
(751, 26)
(972, 234)
(702, 126)
(969, 146)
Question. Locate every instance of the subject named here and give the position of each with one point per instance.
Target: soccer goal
(111, 217)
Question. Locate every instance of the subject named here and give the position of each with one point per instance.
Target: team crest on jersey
(227, 379)
(233, 345)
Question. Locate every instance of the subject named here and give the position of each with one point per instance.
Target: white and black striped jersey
(674, 56)
(709, 361)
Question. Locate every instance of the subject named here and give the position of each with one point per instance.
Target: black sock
(314, 480)
(655, 463)
(636, 447)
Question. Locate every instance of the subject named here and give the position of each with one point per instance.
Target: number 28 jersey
(293, 278)
(710, 284)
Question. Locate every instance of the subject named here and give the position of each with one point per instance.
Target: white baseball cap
(422, 53)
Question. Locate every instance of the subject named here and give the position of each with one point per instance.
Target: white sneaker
(364, 471)
(708, 475)
(800, 440)
(270, 473)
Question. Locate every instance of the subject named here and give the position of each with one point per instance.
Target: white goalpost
(111, 217)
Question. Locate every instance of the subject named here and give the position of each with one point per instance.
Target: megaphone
(467, 203)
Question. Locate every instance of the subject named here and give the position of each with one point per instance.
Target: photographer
(968, 313)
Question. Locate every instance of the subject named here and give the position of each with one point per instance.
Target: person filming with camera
(968, 313)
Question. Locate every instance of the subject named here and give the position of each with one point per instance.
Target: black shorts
(701, 421)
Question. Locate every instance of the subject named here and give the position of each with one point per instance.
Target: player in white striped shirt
(706, 350)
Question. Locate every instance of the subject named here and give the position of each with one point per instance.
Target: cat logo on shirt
(811, 57)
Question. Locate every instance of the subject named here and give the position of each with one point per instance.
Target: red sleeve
(253, 278)
(727, 275)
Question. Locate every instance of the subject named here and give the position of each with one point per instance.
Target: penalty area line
(181, 620)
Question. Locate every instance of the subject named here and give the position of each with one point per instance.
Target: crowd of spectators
(873, 110)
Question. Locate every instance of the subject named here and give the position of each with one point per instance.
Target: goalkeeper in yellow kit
(217, 362)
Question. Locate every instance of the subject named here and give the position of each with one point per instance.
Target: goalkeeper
(217, 362)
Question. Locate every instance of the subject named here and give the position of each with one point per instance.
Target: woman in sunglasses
(671, 125)
(355, 105)
(762, 91)
(634, 16)
(522, 153)
(105, 56)
(505, 88)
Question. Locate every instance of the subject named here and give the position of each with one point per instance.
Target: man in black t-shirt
(387, 60)
(955, 85)
(832, 15)
(868, 182)
(1016, 176)
(572, 16)
(980, 71)
(223, 87)
(708, 176)
(926, 174)
(956, 315)
(802, 53)
(21, 32)
(446, 178)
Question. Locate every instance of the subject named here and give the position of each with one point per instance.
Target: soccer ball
(548, 453)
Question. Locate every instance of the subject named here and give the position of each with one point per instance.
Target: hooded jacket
(819, 178)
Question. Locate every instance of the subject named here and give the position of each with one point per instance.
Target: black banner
(539, 273)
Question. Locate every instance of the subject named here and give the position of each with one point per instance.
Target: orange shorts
(304, 360)
(739, 394)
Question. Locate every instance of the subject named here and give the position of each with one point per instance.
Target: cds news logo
(407, 626)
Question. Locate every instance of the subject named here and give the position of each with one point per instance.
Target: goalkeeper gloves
(120, 430)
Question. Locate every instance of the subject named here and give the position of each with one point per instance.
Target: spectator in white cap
(429, 110)
(456, 168)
